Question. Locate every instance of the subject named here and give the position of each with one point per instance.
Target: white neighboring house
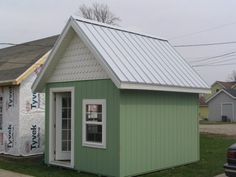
(21, 111)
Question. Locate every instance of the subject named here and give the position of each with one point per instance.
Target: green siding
(157, 130)
(100, 161)
(146, 130)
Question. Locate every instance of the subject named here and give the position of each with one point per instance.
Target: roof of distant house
(16, 60)
(202, 101)
(229, 92)
(232, 92)
(226, 85)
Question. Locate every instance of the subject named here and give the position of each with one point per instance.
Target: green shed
(118, 102)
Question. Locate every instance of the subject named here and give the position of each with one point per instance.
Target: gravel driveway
(222, 175)
(6, 173)
(223, 129)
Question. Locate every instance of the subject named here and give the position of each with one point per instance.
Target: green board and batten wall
(87, 159)
(146, 130)
(157, 130)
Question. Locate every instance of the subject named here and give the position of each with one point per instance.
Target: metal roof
(132, 60)
(140, 58)
(15, 60)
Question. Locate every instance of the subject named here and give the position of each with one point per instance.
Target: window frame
(86, 143)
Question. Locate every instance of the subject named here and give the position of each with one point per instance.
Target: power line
(6, 43)
(205, 44)
(220, 61)
(228, 54)
(206, 65)
(198, 59)
(14, 44)
(202, 31)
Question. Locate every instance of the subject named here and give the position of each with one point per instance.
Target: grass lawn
(213, 150)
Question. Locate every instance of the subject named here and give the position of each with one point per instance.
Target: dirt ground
(222, 129)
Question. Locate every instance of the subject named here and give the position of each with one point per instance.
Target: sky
(179, 21)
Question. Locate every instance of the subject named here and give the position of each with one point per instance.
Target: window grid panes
(94, 115)
(66, 122)
(94, 122)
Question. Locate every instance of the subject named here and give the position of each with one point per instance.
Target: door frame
(52, 117)
(225, 103)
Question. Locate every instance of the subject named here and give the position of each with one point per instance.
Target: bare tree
(232, 76)
(98, 12)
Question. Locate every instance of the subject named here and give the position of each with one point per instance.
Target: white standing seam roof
(139, 61)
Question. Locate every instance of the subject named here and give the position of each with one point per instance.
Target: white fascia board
(137, 86)
(217, 93)
(96, 53)
(44, 57)
(38, 85)
(233, 86)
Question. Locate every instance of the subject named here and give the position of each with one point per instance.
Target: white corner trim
(103, 123)
(51, 125)
(138, 86)
(217, 93)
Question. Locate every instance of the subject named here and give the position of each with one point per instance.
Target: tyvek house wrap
(10, 122)
(23, 120)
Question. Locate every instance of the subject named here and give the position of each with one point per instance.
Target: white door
(63, 126)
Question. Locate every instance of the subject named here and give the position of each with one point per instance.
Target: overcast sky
(179, 21)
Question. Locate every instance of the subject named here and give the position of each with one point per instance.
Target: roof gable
(225, 85)
(16, 60)
(202, 101)
(77, 63)
(133, 60)
(230, 92)
(228, 85)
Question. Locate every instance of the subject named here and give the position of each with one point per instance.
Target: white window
(94, 123)
(1, 113)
